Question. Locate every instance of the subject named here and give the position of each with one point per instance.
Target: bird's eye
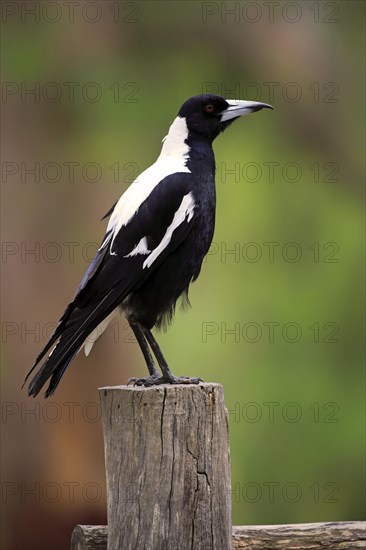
(209, 108)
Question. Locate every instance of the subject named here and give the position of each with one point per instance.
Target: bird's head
(210, 114)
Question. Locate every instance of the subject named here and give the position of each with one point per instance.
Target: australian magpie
(157, 237)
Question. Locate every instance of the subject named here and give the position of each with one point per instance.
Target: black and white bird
(157, 237)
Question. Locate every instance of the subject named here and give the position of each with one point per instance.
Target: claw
(147, 382)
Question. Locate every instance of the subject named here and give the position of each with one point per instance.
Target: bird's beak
(238, 107)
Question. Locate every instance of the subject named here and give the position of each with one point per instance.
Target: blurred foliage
(310, 448)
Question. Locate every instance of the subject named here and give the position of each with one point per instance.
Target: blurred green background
(277, 313)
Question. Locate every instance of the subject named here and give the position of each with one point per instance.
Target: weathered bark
(301, 536)
(167, 466)
(344, 535)
(89, 537)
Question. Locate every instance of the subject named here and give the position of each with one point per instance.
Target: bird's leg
(154, 374)
(158, 354)
(168, 376)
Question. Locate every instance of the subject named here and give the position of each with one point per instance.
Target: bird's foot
(156, 380)
(151, 380)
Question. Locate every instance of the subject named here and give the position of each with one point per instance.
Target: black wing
(115, 272)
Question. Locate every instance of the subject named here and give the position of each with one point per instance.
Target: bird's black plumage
(157, 237)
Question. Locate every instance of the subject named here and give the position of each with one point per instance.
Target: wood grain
(167, 467)
(344, 535)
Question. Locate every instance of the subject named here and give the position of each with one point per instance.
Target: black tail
(74, 327)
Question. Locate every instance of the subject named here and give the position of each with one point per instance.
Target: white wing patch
(98, 331)
(185, 211)
(140, 248)
(173, 159)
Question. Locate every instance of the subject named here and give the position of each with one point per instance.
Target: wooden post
(167, 467)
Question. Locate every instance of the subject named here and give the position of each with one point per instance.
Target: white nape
(174, 144)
